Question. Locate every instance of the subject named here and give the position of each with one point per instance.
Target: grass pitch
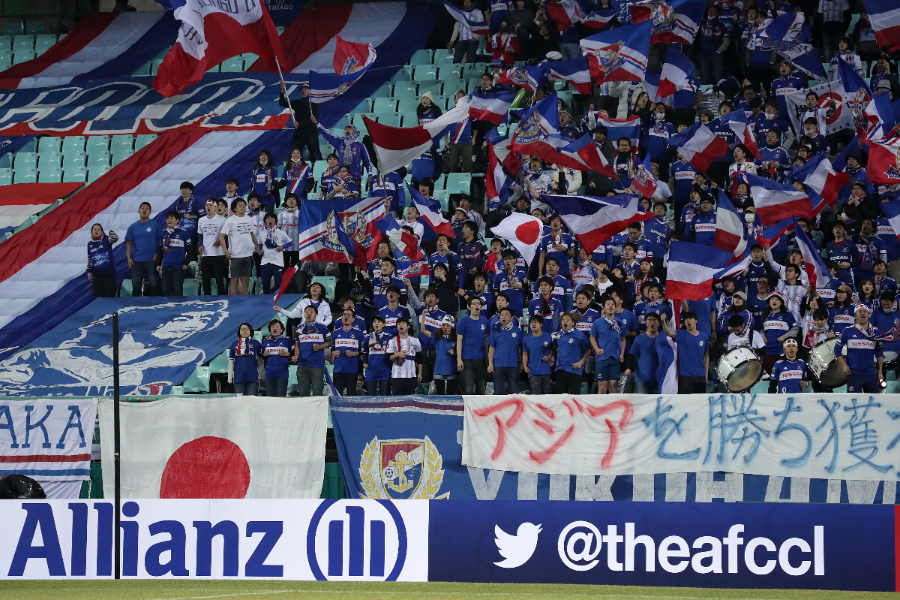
(288, 590)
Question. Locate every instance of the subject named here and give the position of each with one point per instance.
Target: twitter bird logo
(516, 549)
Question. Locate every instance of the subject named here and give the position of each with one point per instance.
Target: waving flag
(321, 239)
(884, 161)
(657, 11)
(691, 270)
(211, 32)
(407, 243)
(682, 24)
(699, 146)
(770, 233)
(351, 60)
(619, 54)
(600, 19)
(511, 161)
(617, 128)
(475, 22)
(644, 180)
(431, 215)
(737, 122)
(775, 201)
(492, 107)
(528, 77)
(565, 13)
(594, 220)
(286, 278)
(819, 175)
(815, 267)
(397, 146)
(730, 232)
(892, 211)
(684, 98)
(583, 154)
(884, 16)
(574, 71)
(789, 36)
(677, 73)
(667, 352)
(497, 184)
(523, 232)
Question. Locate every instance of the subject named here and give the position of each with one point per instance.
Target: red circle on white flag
(528, 232)
(207, 467)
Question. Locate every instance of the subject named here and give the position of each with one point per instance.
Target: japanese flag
(523, 232)
(242, 447)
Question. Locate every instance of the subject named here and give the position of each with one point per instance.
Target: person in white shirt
(289, 222)
(273, 241)
(463, 41)
(240, 232)
(403, 350)
(315, 298)
(741, 335)
(212, 253)
(411, 221)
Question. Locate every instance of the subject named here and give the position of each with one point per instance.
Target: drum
(739, 369)
(824, 365)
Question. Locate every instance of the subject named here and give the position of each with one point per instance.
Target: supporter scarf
(243, 347)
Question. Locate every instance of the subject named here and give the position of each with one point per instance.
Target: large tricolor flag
(431, 215)
(648, 10)
(884, 16)
(574, 71)
(594, 220)
(211, 32)
(523, 232)
(322, 240)
(644, 181)
(350, 62)
(891, 210)
(565, 13)
(884, 161)
(819, 176)
(677, 73)
(511, 161)
(775, 201)
(476, 22)
(491, 107)
(619, 54)
(407, 243)
(629, 127)
(699, 146)
(730, 233)
(600, 19)
(397, 146)
(692, 268)
(815, 267)
(737, 122)
(682, 24)
(497, 184)
(529, 77)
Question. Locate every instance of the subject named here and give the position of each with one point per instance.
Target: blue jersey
(449, 260)
(840, 318)
(474, 333)
(703, 228)
(889, 243)
(191, 206)
(380, 285)
(563, 239)
(886, 323)
(432, 320)
(789, 375)
(305, 336)
(538, 347)
(100, 257)
(644, 352)
(144, 238)
(608, 335)
(345, 341)
(506, 342)
(245, 353)
(755, 272)
(683, 174)
(692, 351)
(550, 309)
(842, 252)
(773, 327)
(703, 309)
(262, 183)
(570, 348)
(586, 320)
(174, 244)
(445, 357)
(516, 296)
(378, 366)
(390, 316)
(862, 351)
(471, 255)
(276, 365)
(642, 309)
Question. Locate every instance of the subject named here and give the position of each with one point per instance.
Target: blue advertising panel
(411, 447)
(679, 544)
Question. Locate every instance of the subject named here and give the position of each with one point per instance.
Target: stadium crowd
(572, 320)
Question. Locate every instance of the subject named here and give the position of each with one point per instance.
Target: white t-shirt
(407, 368)
(209, 228)
(238, 231)
(271, 256)
(749, 339)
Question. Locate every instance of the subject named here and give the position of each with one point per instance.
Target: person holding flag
(305, 114)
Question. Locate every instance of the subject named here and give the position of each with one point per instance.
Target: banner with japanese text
(829, 436)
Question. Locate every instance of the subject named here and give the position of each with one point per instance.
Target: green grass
(288, 590)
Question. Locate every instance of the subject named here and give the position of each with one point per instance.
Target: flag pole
(117, 440)
(284, 87)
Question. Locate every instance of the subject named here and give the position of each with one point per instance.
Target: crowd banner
(309, 540)
(239, 447)
(714, 545)
(48, 440)
(803, 435)
(411, 447)
(837, 115)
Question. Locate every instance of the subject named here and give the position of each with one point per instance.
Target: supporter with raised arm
(101, 266)
(315, 297)
(350, 151)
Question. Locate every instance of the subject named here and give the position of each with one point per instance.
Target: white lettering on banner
(49, 440)
(832, 436)
(350, 540)
(581, 543)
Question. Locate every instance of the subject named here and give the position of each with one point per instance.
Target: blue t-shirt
(445, 357)
(692, 353)
(608, 335)
(245, 360)
(378, 365)
(144, 238)
(343, 341)
(275, 364)
(306, 335)
(550, 309)
(390, 316)
(644, 352)
(537, 347)
(516, 296)
(506, 342)
(570, 347)
(474, 332)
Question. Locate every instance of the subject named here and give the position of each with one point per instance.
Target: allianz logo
(580, 545)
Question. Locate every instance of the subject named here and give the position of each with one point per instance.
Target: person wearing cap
(703, 226)
(445, 357)
(471, 348)
(790, 375)
(504, 348)
(859, 353)
(393, 310)
(306, 114)
(778, 325)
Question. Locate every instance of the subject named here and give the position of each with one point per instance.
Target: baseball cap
(740, 295)
(448, 320)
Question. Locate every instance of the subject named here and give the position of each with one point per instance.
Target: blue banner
(411, 447)
(162, 341)
(714, 545)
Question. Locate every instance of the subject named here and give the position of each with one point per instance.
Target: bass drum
(739, 369)
(824, 365)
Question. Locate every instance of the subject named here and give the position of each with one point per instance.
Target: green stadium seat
(453, 85)
(121, 143)
(405, 89)
(6, 43)
(97, 142)
(390, 119)
(25, 160)
(12, 26)
(435, 87)
(6, 176)
(459, 183)
(143, 139)
(98, 158)
(409, 119)
(249, 58)
(119, 155)
(74, 143)
(6, 161)
(365, 105)
(23, 44)
(219, 363)
(383, 92)
(49, 159)
(23, 56)
(96, 171)
(358, 120)
(404, 73)
(448, 71)
(37, 26)
(5, 61)
(407, 104)
(143, 70)
(49, 143)
(74, 173)
(198, 382)
(235, 64)
(425, 73)
(384, 105)
(443, 196)
(440, 184)
(73, 161)
(442, 57)
(50, 174)
(421, 57)
(318, 168)
(44, 42)
(25, 176)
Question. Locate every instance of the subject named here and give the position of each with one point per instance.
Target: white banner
(828, 436)
(344, 540)
(240, 447)
(835, 117)
(48, 440)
